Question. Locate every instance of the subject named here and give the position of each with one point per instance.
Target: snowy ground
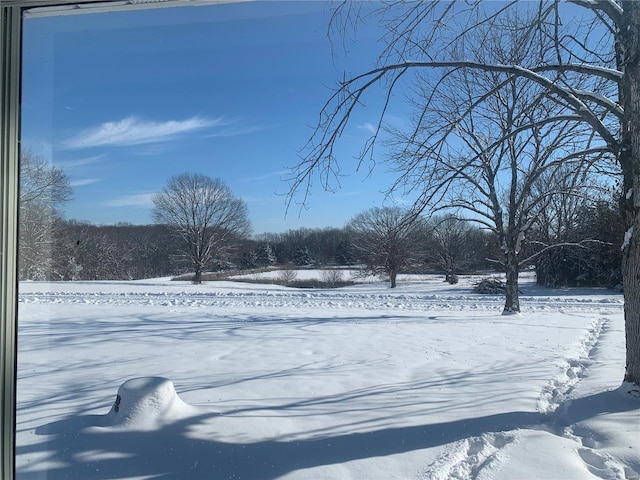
(426, 381)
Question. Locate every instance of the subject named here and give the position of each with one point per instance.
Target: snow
(308, 274)
(627, 238)
(161, 379)
(602, 100)
(146, 404)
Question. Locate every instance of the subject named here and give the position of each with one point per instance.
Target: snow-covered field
(426, 381)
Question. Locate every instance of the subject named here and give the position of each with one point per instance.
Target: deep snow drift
(159, 379)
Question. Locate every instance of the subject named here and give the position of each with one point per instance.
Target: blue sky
(123, 101)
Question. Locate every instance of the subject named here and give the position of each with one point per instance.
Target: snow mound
(147, 403)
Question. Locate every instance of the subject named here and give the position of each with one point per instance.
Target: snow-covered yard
(426, 381)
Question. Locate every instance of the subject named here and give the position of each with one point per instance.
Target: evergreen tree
(265, 256)
(250, 259)
(303, 256)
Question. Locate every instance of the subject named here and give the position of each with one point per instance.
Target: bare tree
(43, 189)
(553, 224)
(480, 140)
(449, 246)
(287, 274)
(586, 60)
(332, 277)
(500, 147)
(204, 213)
(387, 239)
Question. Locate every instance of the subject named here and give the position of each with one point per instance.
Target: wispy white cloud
(81, 162)
(136, 131)
(84, 181)
(138, 200)
(233, 130)
(369, 127)
(150, 149)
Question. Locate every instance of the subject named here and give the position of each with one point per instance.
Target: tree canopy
(203, 212)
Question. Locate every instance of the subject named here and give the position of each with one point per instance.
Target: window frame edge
(10, 66)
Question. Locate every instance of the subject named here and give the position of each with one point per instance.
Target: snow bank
(424, 381)
(147, 403)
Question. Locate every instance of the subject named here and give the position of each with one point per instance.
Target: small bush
(287, 275)
(332, 277)
(452, 278)
(490, 286)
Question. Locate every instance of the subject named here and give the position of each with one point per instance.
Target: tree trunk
(628, 56)
(512, 300)
(197, 278)
(631, 284)
(393, 276)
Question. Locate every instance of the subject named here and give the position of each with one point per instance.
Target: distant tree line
(202, 227)
(82, 251)
(118, 252)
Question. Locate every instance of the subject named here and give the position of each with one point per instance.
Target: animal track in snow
(470, 456)
(573, 370)
(601, 465)
(554, 396)
(604, 466)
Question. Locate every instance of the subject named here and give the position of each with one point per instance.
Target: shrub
(331, 277)
(287, 275)
(490, 286)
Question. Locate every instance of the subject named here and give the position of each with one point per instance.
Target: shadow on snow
(82, 448)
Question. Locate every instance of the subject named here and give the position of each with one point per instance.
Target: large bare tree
(43, 189)
(480, 141)
(388, 240)
(586, 58)
(203, 212)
